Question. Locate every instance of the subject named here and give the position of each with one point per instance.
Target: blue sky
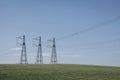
(59, 18)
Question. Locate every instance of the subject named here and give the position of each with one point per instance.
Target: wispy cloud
(14, 57)
(72, 56)
(34, 54)
(15, 49)
(46, 54)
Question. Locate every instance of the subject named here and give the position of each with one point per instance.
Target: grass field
(58, 72)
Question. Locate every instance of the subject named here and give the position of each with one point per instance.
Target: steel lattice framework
(23, 59)
(39, 57)
(54, 54)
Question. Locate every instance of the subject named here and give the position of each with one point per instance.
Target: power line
(91, 28)
(97, 43)
(103, 42)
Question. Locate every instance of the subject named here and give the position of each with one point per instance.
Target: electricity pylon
(23, 52)
(23, 58)
(54, 54)
(39, 57)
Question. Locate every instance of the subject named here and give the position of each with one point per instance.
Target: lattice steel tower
(23, 59)
(39, 57)
(54, 54)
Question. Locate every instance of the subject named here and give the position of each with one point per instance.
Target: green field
(58, 72)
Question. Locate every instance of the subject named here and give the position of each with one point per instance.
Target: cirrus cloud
(15, 49)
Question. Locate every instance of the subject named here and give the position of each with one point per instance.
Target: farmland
(58, 72)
